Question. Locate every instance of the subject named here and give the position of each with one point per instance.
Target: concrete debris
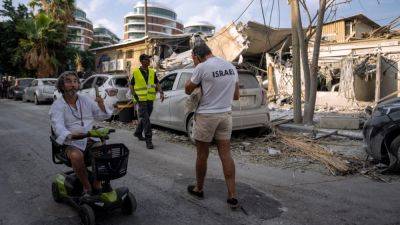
(245, 146)
(339, 122)
(273, 152)
(334, 164)
(233, 42)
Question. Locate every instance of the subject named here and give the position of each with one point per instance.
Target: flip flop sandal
(233, 203)
(198, 194)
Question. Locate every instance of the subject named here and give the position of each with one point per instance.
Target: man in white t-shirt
(72, 117)
(218, 80)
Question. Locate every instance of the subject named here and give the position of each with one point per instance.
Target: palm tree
(42, 39)
(59, 10)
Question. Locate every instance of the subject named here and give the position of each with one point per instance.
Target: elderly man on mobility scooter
(72, 118)
(76, 144)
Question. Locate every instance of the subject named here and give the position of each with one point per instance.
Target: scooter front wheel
(87, 215)
(55, 192)
(129, 204)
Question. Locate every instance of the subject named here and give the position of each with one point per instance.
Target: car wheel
(189, 129)
(37, 102)
(24, 99)
(395, 149)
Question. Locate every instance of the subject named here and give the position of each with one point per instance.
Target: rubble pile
(333, 163)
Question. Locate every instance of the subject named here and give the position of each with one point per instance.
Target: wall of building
(128, 54)
(361, 28)
(334, 31)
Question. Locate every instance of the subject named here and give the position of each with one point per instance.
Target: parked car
(40, 90)
(113, 88)
(382, 134)
(250, 111)
(17, 89)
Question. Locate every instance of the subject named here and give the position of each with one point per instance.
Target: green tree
(46, 36)
(43, 37)
(11, 56)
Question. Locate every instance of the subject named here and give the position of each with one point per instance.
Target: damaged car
(250, 111)
(382, 134)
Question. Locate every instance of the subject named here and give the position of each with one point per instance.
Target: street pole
(146, 26)
(378, 78)
(296, 66)
(145, 18)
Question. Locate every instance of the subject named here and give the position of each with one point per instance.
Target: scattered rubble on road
(334, 155)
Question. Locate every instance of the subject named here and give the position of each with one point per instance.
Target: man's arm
(236, 94)
(133, 89)
(158, 88)
(190, 86)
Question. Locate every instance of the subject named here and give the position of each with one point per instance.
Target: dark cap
(144, 57)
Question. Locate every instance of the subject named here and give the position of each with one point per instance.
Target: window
(182, 80)
(100, 81)
(88, 83)
(120, 82)
(24, 82)
(49, 82)
(247, 81)
(168, 82)
(129, 54)
(348, 28)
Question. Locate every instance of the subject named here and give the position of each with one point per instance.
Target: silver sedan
(250, 111)
(40, 90)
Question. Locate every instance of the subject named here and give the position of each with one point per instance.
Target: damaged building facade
(348, 58)
(350, 53)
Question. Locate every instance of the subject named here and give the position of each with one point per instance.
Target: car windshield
(49, 82)
(247, 81)
(24, 82)
(120, 82)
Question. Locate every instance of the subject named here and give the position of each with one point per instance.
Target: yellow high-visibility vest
(146, 91)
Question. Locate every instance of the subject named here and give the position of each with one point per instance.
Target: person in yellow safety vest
(144, 85)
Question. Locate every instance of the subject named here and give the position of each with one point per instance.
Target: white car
(112, 88)
(251, 111)
(40, 90)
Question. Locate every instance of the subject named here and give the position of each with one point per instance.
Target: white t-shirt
(217, 78)
(66, 119)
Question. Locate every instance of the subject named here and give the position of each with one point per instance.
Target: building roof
(199, 23)
(361, 17)
(154, 4)
(125, 42)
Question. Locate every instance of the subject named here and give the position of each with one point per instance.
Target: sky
(110, 13)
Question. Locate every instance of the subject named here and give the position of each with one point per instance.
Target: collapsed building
(348, 57)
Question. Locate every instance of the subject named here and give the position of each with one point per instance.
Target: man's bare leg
(78, 164)
(228, 165)
(201, 164)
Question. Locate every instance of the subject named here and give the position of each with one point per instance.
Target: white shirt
(66, 119)
(218, 79)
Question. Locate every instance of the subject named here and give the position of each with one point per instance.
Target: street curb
(299, 128)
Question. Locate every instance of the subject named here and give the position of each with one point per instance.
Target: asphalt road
(158, 178)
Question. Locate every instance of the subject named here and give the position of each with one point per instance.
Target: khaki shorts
(212, 125)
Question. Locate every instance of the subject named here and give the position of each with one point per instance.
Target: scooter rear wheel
(129, 205)
(87, 215)
(55, 192)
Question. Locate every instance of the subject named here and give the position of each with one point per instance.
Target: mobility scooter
(104, 163)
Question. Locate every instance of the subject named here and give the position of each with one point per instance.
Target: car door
(31, 90)
(177, 100)
(161, 113)
(87, 86)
